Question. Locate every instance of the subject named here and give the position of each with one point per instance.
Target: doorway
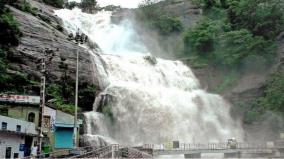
(28, 145)
(8, 152)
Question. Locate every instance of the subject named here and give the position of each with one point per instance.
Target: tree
(273, 98)
(156, 17)
(200, 39)
(55, 3)
(234, 46)
(10, 33)
(261, 17)
(207, 4)
(71, 5)
(88, 5)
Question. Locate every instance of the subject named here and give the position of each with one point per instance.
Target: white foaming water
(95, 122)
(112, 39)
(152, 103)
(122, 3)
(164, 102)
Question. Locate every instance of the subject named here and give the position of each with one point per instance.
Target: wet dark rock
(152, 60)
(38, 35)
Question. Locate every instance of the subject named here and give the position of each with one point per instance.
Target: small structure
(20, 107)
(64, 130)
(16, 137)
(232, 143)
(19, 116)
(19, 119)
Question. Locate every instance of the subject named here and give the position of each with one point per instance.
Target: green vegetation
(55, 3)
(240, 35)
(233, 30)
(10, 81)
(10, 32)
(271, 101)
(201, 39)
(261, 17)
(110, 8)
(158, 18)
(26, 7)
(61, 94)
(88, 6)
(71, 5)
(57, 96)
(235, 46)
(54, 95)
(252, 116)
(44, 18)
(273, 98)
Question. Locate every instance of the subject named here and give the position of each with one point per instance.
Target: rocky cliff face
(165, 46)
(40, 32)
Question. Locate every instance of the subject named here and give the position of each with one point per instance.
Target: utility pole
(76, 99)
(42, 100)
(42, 94)
(79, 38)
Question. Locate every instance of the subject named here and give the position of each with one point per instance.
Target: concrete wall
(11, 140)
(21, 112)
(52, 114)
(26, 127)
(50, 131)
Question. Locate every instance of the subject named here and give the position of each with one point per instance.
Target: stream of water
(147, 100)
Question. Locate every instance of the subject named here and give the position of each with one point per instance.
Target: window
(16, 155)
(31, 117)
(4, 111)
(4, 126)
(18, 128)
(46, 122)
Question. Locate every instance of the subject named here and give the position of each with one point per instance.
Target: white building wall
(52, 113)
(26, 127)
(11, 140)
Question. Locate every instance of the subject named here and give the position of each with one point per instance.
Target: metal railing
(118, 151)
(60, 153)
(115, 151)
(99, 152)
(213, 146)
(135, 153)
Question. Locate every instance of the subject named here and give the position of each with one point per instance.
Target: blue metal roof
(62, 125)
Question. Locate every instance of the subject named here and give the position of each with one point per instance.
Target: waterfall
(147, 100)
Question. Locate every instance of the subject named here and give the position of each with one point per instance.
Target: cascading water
(145, 101)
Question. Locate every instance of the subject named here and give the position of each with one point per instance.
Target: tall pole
(76, 98)
(42, 102)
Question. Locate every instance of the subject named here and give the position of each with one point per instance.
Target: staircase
(129, 152)
(113, 151)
